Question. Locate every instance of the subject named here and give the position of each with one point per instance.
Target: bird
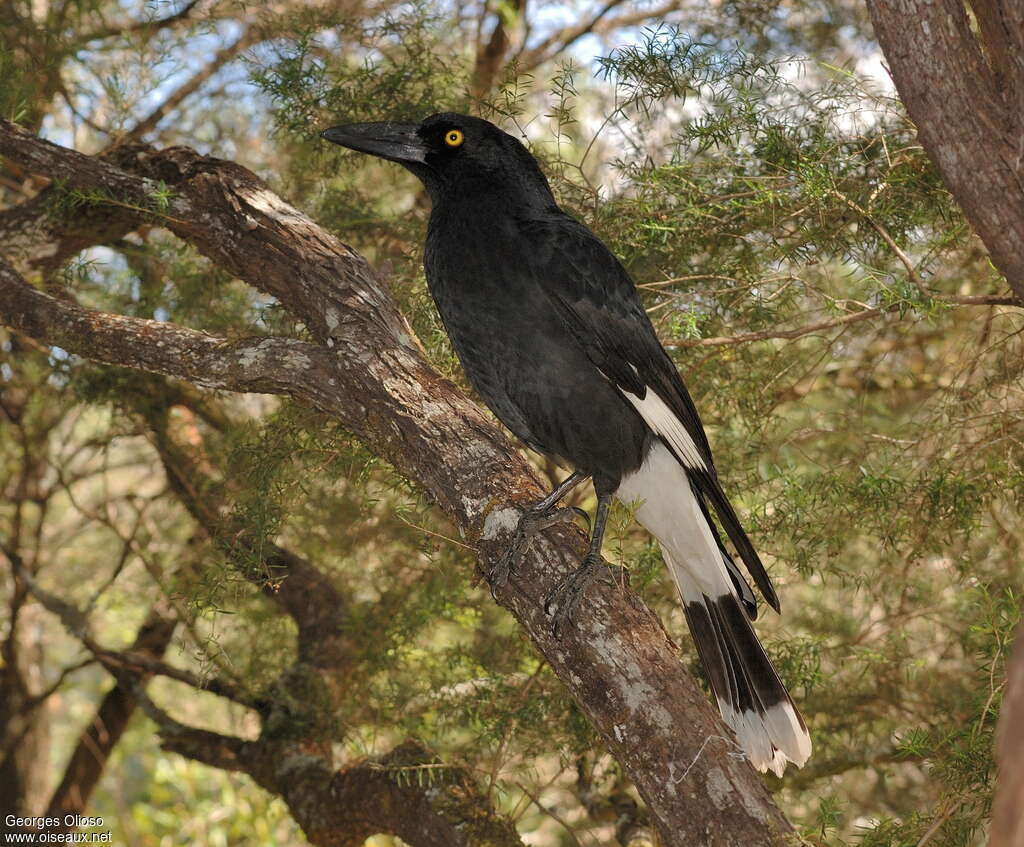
(552, 335)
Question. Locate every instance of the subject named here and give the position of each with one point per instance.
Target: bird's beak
(393, 141)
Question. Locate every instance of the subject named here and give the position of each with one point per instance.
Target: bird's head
(455, 156)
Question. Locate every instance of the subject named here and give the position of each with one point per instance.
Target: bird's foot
(566, 597)
(530, 523)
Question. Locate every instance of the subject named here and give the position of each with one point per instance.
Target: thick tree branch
(409, 793)
(1001, 26)
(210, 748)
(267, 365)
(965, 93)
(38, 238)
(369, 375)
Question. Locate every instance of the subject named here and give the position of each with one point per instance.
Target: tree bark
(1008, 810)
(24, 726)
(364, 368)
(965, 94)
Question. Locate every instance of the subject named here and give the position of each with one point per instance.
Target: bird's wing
(600, 306)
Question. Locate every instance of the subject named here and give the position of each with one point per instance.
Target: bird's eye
(454, 138)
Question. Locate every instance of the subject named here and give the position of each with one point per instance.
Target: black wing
(601, 307)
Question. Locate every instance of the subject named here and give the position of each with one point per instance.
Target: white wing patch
(663, 421)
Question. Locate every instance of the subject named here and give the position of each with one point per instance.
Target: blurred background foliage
(750, 164)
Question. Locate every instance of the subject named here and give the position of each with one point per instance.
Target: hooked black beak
(393, 141)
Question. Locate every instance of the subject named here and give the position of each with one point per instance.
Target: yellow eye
(454, 138)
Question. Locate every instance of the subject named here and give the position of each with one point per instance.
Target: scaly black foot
(566, 597)
(531, 522)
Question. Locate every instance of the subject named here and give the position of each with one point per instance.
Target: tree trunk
(24, 724)
(1008, 811)
(965, 94)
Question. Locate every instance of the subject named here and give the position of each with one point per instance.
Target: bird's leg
(538, 517)
(567, 595)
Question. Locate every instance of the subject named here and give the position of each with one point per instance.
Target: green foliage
(402, 69)
(66, 202)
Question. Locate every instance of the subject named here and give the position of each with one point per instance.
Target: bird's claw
(583, 514)
(567, 595)
(510, 559)
(530, 523)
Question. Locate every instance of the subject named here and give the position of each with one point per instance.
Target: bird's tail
(750, 695)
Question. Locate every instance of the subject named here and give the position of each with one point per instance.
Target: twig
(799, 332)
(700, 751)
(150, 26)
(599, 23)
(76, 623)
(426, 531)
(221, 58)
(939, 821)
(745, 338)
(550, 813)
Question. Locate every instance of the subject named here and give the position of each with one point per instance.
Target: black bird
(552, 334)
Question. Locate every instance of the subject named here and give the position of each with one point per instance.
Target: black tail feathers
(750, 695)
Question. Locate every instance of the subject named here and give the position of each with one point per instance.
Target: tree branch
(190, 86)
(294, 583)
(148, 26)
(210, 748)
(268, 365)
(1001, 26)
(408, 793)
(491, 56)
(95, 744)
(599, 23)
(38, 239)
(139, 661)
(765, 334)
(844, 320)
